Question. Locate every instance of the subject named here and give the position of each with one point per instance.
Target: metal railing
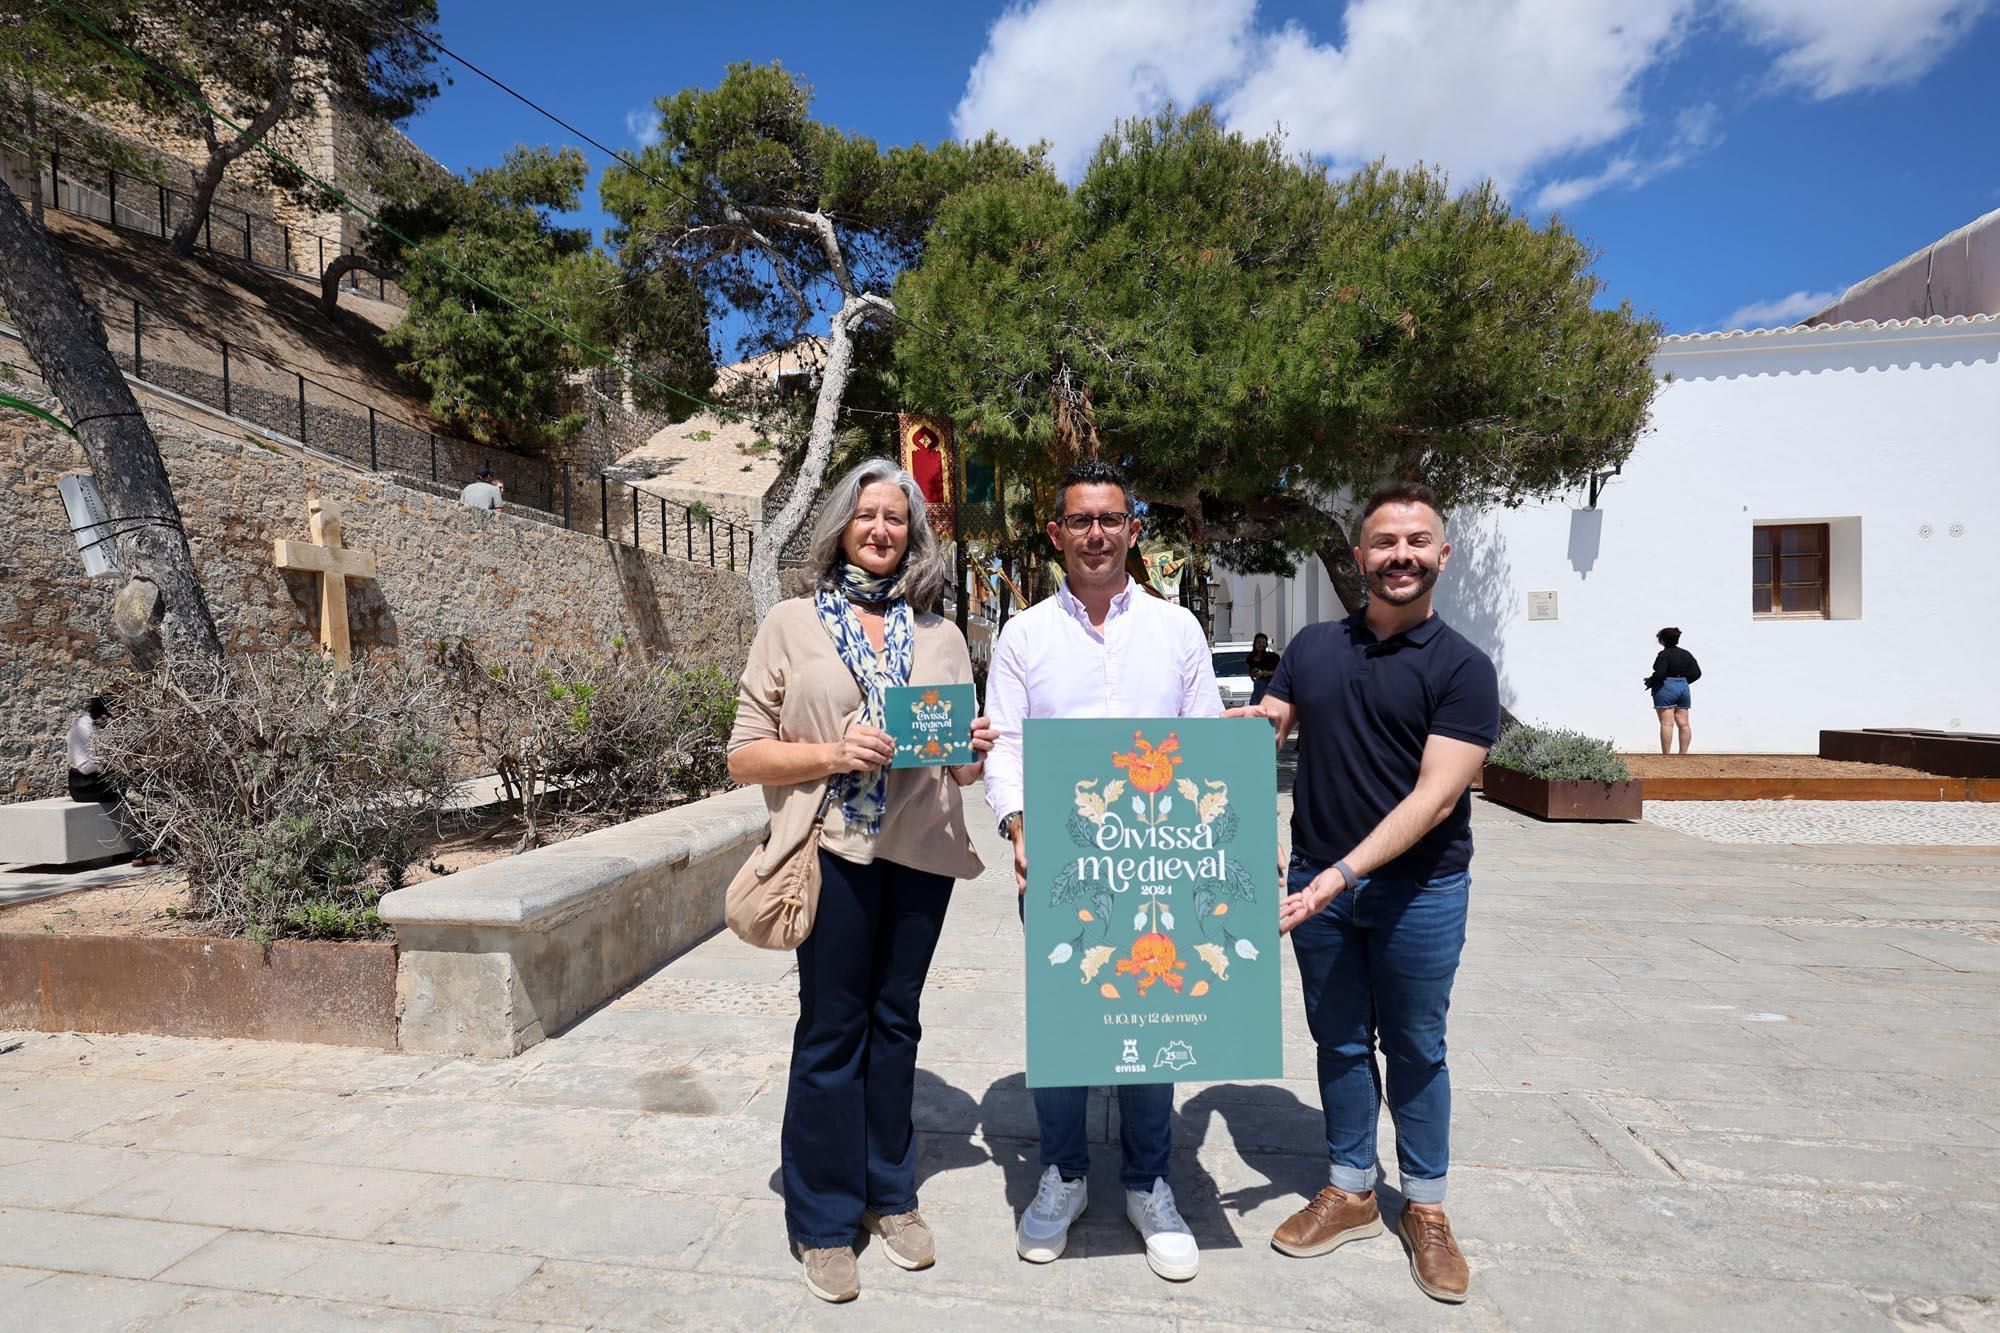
(88, 188)
(175, 354)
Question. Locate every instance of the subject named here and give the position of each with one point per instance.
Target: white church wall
(1883, 434)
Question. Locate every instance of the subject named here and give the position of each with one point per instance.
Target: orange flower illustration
(1150, 769)
(1154, 958)
(932, 749)
(930, 698)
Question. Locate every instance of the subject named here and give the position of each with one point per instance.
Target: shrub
(579, 736)
(282, 785)
(1557, 755)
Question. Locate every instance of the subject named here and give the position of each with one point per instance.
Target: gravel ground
(1880, 823)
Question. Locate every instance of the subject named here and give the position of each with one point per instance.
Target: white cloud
(643, 124)
(1540, 95)
(1830, 47)
(1694, 134)
(1776, 314)
(1480, 87)
(1066, 70)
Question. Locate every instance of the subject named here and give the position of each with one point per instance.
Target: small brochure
(931, 724)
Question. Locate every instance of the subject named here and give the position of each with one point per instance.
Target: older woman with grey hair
(809, 721)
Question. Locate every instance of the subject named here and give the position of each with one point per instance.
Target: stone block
(92, 1243)
(495, 958)
(59, 832)
(407, 1276)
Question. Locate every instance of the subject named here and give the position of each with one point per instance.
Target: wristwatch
(1008, 823)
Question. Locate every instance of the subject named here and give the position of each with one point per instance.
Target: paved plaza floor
(1699, 1085)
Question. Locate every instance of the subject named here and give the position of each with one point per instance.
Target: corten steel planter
(1592, 801)
(1952, 754)
(338, 993)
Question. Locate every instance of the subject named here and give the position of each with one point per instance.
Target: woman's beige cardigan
(796, 688)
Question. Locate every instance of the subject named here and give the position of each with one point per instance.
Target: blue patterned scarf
(864, 796)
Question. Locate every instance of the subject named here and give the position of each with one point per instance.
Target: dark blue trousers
(848, 1144)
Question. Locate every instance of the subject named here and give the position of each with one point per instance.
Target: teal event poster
(1151, 912)
(931, 724)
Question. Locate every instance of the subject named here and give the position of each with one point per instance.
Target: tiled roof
(1810, 332)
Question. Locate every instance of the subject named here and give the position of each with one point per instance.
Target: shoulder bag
(776, 911)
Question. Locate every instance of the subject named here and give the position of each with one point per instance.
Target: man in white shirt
(86, 773)
(1101, 647)
(482, 492)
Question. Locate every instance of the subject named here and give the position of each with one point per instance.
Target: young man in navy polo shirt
(1395, 711)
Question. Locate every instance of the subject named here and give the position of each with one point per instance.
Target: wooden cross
(335, 565)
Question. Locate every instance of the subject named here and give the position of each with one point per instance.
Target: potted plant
(1556, 774)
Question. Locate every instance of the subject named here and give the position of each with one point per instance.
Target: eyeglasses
(1082, 523)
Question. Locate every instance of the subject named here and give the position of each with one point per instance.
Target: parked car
(1232, 672)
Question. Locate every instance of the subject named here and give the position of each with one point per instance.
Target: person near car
(1260, 666)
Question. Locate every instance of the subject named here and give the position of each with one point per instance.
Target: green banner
(1151, 911)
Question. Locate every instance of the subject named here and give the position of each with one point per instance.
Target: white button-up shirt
(1150, 660)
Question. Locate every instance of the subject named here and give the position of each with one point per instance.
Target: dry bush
(281, 786)
(578, 738)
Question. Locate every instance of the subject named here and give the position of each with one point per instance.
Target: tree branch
(329, 281)
(209, 177)
(815, 224)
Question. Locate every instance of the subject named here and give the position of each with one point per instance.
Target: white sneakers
(1044, 1229)
(1170, 1246)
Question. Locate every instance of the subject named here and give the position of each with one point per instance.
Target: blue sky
(1733, 160)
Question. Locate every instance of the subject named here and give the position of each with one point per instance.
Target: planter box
(1598, 801)
(342, 994)
(1952, 754)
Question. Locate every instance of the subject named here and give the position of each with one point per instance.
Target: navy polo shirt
(1366, 706)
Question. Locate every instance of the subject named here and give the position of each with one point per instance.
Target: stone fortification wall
(255, 217)
(513, 586)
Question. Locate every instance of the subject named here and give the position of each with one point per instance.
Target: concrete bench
(59, 832)
(496, 957)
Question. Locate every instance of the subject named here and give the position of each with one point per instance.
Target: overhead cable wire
(627, 159)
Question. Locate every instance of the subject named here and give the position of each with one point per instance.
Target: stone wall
(254, 216)
(513, 586)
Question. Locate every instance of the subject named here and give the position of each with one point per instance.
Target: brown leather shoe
(1331, 1220)
(1436, 1264)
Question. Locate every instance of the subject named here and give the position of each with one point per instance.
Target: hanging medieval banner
(1164, 569)
(982, 504)
(1151, 907)
(927, 451)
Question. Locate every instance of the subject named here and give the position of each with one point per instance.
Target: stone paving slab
(1697, 1085)
(27, 884)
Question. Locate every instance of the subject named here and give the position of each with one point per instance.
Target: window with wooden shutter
(1788, 570)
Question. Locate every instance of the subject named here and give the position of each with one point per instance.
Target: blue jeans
(1377, 966)
(1145, 1128)
(848, 1143)
(1673, 692)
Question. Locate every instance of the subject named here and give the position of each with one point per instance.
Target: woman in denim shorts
(1673, 671)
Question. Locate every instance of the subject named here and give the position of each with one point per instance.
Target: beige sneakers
(906, 1238)
(831, 1273)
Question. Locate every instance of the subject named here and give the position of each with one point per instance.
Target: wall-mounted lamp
(1597, 480)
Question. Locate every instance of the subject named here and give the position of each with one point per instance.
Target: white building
(1816, 507)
